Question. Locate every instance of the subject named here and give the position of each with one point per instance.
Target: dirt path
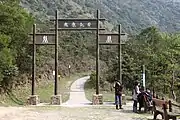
(74, 112)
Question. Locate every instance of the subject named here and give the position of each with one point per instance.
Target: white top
(135, 92)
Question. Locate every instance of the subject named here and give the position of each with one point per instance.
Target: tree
(15, 23)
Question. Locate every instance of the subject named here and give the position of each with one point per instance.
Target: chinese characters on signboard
(77, 24)
(108, 38)
(44, 39)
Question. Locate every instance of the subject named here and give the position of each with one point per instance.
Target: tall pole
(120, 55)
(97, 54)
(144, 83)
(56, 54)
(34, 59)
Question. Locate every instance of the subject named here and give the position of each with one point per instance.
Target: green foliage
(159, 52)
(134, 15)
(15, 23)
(91, 83)
(6, 63)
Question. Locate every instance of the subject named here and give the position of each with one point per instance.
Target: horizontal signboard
(77, 24)
(112, 38)
(43, 39)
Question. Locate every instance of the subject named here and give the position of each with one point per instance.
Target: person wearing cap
(118, 94)
(135, 94)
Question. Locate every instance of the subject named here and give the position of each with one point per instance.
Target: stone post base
(123, 99)
(33, 100)
(97, 99)
(56, 100)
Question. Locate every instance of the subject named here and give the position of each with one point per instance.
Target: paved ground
(74, 112)
(77, 95)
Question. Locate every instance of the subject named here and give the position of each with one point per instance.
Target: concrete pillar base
(97, 99)
(56, 100)
(33, 100)
(123, 99)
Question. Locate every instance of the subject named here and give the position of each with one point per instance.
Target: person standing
(135, 94)
(118, 94)
(140, 98)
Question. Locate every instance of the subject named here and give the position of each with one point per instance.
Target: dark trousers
(118, 99)
(135, 106)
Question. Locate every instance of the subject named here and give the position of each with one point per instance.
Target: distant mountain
(134, 15)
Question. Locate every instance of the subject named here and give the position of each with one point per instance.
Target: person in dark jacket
(118, 94)
(141, 96)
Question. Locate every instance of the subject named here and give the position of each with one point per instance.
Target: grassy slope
(108, 96)
(43, 89)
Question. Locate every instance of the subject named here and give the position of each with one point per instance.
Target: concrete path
(77, 95)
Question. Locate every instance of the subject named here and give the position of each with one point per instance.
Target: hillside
(158, 51)
(134, 15)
